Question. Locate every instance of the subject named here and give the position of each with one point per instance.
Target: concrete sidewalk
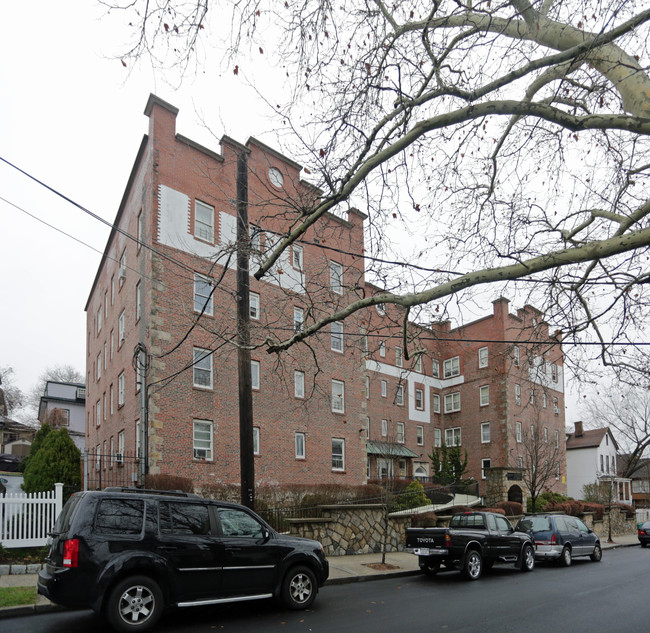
(343, 569)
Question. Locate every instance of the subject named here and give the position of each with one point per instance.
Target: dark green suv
(129, 554)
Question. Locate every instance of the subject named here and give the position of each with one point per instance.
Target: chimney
(578, 431)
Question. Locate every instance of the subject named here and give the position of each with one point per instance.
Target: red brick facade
(180, 203)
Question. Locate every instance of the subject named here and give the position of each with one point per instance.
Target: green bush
(412, 497)
(544, 499)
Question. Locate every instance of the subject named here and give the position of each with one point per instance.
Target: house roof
(589, 439)
(7, 424)
(389, 449)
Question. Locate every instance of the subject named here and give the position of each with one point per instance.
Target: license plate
(421, 551)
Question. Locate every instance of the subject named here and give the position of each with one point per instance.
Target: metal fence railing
(110, 469)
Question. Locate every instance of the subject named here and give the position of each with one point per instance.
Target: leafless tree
(13, 396)
(505, 143)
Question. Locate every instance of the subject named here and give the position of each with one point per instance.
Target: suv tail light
(71, 553)
(642, 532)
(447, 540)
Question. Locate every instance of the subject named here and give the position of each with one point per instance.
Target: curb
(28, 609)
(379, 576)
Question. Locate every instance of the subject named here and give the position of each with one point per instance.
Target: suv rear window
(119, 516)
(535, 524)
(62, 525)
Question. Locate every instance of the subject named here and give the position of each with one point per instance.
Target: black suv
(129, 554)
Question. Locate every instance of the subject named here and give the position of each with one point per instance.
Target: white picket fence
(26, 519)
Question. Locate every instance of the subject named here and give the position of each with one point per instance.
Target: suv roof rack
(148, 491)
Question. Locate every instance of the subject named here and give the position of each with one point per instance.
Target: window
(256, 440)
(255, 374)
(602, 463)
(546, 435)
(451, 367)
(399, 357)
(120, 330)
(384, 388)
(483, 357)
(419, 435)
(254, 305)
(138, 302)
(104, 408)
(518, 432)
(518, 394)
(300, 445)
(556, 409)
(485, 463)
(418, 363)
(202, 439)
(122, 272)
(336, 278)
(384, 428)
(544, 400)
(485, 433)
(367, 387)
(120, 390)
(121, 517)
(98, 413)
(516, 355)
(255, 235)
(112, 453)
(111, 397)
(400, 432)
(532, 432)
(367, 428)
(557, 439)
(401, 465)
(298, 319)
(112, 290)
(99, 365)
(554, 373)
(419, 399)
(337, 336)
(119, 458)
(297, 256)
(338, 454)
(99, 320)
(105, 356)
(557, 470)
(338, 396)
(452, 402)
(436, 403)
(399, 395)
(106, 304)
(435, 369)
(520, 462)
(452, 436)
(112, 344)
(189, 519)
(531, 396)
(202, 371)
(299, 384)
(437, 438)
(484, 395)
(203, 221)
(203, 289)
(140, 230)
(382, 349)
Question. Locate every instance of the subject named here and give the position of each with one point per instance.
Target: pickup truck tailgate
(427, 541)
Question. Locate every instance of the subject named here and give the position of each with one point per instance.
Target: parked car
(129, 554)
(561, 537)
(644, 534)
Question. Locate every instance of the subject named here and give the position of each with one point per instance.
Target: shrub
(168, 482)
(544, 499)
(495, 510)
(412, 497)
(597, 508)
(511, 508)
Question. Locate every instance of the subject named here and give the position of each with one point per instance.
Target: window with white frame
(453, 437)
(112, 453)
(138, 438)
(120, 447)
(482, 357)
(99, 365)
(556, 408)
(401, 466)
(399, 357)
(104, 411)
(336, 278)
(338, 396)
(518, 394)
(516, 355)
(254, 305)
(400, 432)
(111, 397)
(300, 445)
(299, 384)
(554, 372)
(113, 290)
(367, 428)
(105, 356)
(204, 221)
(297, 253)
(518, 432)
(122, 270)
(255, 374)
(338, 454)
(98, 413)
(382, 349)
(256, 440)
(399, 395)
(435, 369)
(531, 396)
(451, 367)
(532, 433)
(112, 344)
(546, 435)
(557, 470)
(520, 462)
(336, 330)
(436, 403)
(202, 368)
(138, 301)
(419, 399)
(367, 387)
(384, 388)
(106, 304)
(255, 235)
(384, 428)
(452, 402)
(484, 395)
(437, 438)
(298, 319)
(140, 230)
(419, 435)
(557, 439)
(485, 433)
(203, 294)
(120, 390)
(99, 320)
(418, 363)
(120, 329)
(544, 400)
(485, 464)
(202, 439)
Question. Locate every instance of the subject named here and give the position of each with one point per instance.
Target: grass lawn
(17, 596)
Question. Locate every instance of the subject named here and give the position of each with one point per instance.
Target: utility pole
(244, 338)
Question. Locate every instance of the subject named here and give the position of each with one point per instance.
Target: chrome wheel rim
(474, 565)
(136, 604)
(529, 558)
(300, 588)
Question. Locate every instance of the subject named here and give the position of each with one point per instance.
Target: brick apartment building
(343, 407)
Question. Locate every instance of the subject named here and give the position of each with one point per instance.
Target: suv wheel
(473, 565)
(597, 553)
(527, 558)
(565, 558)
(135, 604)
(299, 588)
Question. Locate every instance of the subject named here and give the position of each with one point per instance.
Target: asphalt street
(586, 597)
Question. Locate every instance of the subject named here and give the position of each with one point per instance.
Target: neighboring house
(350, 405)
(592, 456)
(63, 405)
(640, 481)
(15, 438)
